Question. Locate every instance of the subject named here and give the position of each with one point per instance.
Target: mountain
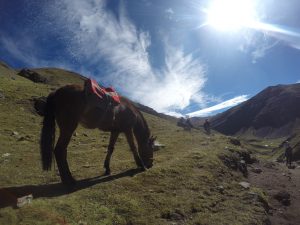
(272, 113)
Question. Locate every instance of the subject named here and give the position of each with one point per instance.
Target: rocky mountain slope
(273, 113)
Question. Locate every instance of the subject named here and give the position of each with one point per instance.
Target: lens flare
(231, 14)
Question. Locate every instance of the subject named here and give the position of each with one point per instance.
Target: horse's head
(147, 153)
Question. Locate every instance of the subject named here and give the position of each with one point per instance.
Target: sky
(191, 57)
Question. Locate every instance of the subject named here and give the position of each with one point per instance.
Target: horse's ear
(152, 138)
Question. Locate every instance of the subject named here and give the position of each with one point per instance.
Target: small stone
(244, 184)
(14, 133)
(2, 96)
(6, 155)
(235, 141)
(75, 134)
(220, 188)
(256, 170)
(24, 200)
(82, 222)
(21, 138)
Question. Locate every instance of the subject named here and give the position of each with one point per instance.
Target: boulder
(33, 76)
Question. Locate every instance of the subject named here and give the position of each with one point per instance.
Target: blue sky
(178, 57)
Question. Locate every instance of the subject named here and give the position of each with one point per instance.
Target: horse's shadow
(9, 195)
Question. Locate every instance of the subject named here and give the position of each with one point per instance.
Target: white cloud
(298, 82)
(169, 11)
(261, 50)
(97, 35)
(226, 104)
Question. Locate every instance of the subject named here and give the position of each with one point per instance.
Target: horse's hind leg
(110, 149)
(130, 140)
(60, 153)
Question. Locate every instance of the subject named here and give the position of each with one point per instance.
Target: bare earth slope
(276, 178)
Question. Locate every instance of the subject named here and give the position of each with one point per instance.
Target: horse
(69, 106)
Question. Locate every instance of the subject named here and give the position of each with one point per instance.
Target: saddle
(100, 97)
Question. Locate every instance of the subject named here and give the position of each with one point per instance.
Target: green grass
(181, 188)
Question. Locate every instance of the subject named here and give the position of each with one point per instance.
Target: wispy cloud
(226, 104)
(18, 50)
(170, 13)
(261, 50)
(98, 35)
(298, 82)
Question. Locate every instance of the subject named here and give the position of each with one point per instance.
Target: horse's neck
(141, 130)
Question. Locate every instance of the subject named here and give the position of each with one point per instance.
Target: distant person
(187, 124)
(288, 153)
(206, 126)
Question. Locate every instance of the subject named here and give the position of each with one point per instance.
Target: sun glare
(231, 15)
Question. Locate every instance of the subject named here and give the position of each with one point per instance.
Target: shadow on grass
(9, 195)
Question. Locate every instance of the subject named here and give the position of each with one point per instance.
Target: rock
(235, 141)
(157, 146)
(75, 134)
(177, 215)
(221, 189)
(256, 170)
(33, 76)
(86, 166)
(283, 197)
(5, 155)
(245, 185)
(2, 96)
(21, 138)
(14, 133)
(24, 200)
(242, 166)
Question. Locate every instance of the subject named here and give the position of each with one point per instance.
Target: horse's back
(69, 104)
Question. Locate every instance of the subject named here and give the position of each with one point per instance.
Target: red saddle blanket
(102, 92)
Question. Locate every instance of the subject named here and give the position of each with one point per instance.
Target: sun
(231, 15)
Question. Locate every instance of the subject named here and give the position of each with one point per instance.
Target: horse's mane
(140, 129)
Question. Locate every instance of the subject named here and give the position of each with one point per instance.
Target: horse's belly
(96, 119)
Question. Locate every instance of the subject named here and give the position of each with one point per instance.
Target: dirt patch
(282, 185)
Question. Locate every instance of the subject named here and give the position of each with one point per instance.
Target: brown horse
(69, 106)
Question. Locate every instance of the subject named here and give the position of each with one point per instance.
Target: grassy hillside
(189, 184)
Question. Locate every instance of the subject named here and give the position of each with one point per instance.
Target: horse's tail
(48, 134)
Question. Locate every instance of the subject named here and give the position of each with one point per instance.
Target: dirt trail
(276, 177)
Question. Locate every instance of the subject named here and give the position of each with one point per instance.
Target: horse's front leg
(112, 141)
(137, 159)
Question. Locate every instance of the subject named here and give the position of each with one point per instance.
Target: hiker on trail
(288, 153)
(189, 123)
(206, 126)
